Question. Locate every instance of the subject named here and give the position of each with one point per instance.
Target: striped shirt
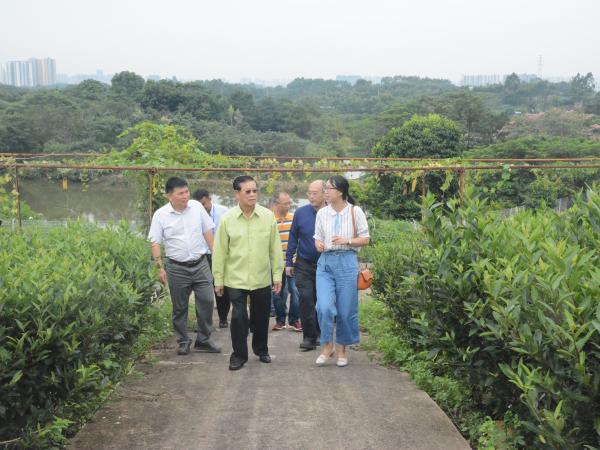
(331, 223)
(284, 224)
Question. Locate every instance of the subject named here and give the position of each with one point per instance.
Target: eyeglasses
(330, 188)
(248, 191)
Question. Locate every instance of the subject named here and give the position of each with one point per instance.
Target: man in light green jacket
(247, 262)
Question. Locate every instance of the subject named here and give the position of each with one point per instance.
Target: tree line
(306, 117)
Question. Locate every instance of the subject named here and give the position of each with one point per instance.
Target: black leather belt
(186, 263)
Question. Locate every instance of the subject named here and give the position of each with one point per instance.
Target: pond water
(112, 199)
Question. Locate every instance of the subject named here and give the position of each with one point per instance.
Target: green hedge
(511, 305)
(72, 302)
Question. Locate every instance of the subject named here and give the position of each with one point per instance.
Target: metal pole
(423, 185)
(461, 183)
(151, 173)
(18, 191)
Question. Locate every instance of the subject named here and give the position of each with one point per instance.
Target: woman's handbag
(365, 277)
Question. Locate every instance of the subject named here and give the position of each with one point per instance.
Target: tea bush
(511, 306)
(73, 300)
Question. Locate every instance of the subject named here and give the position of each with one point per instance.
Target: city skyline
(286, 39)
(42, 72)
(32, 72)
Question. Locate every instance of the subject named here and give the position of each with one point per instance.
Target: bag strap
(354, 225)
(354, 222)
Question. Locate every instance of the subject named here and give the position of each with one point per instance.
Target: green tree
(582, 87)
(592, 106)
(127, 84)
(512, 82)
(17, 133)
(90, 90)
(431, 136)
(244, 103)
(162, 95)
(199, 101)
(157, 145)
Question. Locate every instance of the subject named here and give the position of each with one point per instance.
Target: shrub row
(72, 302)
(511, 306)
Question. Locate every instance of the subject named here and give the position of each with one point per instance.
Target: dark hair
(241, 179)
(200, 193)
(342, 185)
(174, 182)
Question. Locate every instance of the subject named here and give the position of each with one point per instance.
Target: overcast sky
(285, 39)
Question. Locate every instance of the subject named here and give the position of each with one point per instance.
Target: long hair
(342, 185)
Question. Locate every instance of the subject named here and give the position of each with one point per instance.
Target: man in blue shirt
(302, 245)
(215, 211)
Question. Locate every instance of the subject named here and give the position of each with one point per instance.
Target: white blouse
(331, 223)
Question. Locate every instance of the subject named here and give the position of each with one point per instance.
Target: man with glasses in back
(247, 262)
(302, 245)
(215, 211)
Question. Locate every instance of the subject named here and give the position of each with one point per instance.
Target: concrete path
(195, 402)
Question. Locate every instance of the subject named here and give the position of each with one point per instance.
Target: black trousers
(260, 308)
(222, 301)
(306, 274)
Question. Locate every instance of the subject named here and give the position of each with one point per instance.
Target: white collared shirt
(330, 223)
(181, 232)
(216, 212)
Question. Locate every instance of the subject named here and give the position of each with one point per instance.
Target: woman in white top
(338, 240)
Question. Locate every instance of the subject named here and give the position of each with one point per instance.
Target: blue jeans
(288, 286)
(337, 297)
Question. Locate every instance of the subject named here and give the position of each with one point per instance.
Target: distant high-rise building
(485, 80)
(43, 71)
(480, 80)
(527, 77)
(18, 73)
(30, 73)
(352, 79)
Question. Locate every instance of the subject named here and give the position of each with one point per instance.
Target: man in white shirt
(186, 231)
(215, 211)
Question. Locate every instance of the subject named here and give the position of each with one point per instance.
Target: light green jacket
(247, 252)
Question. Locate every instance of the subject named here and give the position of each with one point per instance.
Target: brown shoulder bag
(365, 277)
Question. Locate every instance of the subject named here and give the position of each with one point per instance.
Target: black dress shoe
(184, 348)
(264, 358)
(206, 347)
(235, 365)
(223, 324)
(307, 345)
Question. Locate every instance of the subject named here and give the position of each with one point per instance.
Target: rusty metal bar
(18, 191)
(300, 170)
(424, 185)
(326, 158)
(461, 183)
